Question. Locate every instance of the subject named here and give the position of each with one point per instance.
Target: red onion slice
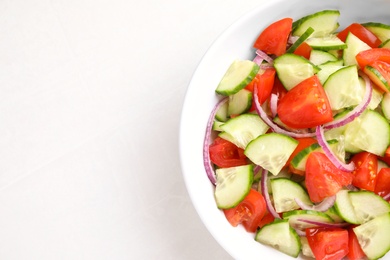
(264, 56)
(264, 190)
(324, 224)
(386, 197)
(329, 153)
(357, 111)
(274, 126)
(258, 60)
(274, 104)
(326, 204)
(207, 141)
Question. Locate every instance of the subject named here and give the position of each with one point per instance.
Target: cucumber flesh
(281, 236)
(300, 40)
(239, 74)
(323, 22)
(355, 45)
(271, 151)
(374, 236)
(222, 113)
(344, 207)
(326, 43)
(233, 184)
(385, 44)
(386, 106)
(367, 205)
(377, 77)
(240, 102)
(296, 218)
(328, 68)
(382, 31)
(318, 57)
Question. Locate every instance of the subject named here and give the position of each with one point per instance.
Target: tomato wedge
(323, 179)
(367, 57)
(362, 33)
(264, 83)
(366, 168)
(302, 144)
(226, 154)
(273, 40)
(329, 244)
(382, 187)
(355, 251)
(248, 212)
(306, 105)
(303, 50)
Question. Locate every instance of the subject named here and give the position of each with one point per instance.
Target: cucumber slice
(385, 105)
(271, 151)
(382, 31)
(233, 184)
(355, 45)
(376, 97)
(368, 205)
(344, 207)
(244, 128)
(369, 132)
(328, 69)
(377, 77)
(295, 218)
(385, 44)
(330, 42)
(300, 40)
(318, 57)
(239, 74)
(217, 126)
(374, 236)
(222, 112)
(293, 69)
(281, 236)
(285, 191)
(306, 249)
(343, 88)
(240, 102)
(334, 215)
(324, 23)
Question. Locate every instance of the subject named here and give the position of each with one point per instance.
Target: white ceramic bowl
(200, 98)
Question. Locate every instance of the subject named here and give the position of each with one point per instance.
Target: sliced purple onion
(258, 60)
(264, 191)
(207, 141)
(357, 111)
(263, 115)
(323, 224)
(326, 204)
(274, 104)
(329, 153)
(387, 197)
(300, 232)
(264, 56)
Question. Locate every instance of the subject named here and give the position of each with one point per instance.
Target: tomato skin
(306, 105)
(226, 154)
(326, 243)
(366, 168)
(268, 218)
(303, 50)
(367, 57)
(273, 40)
(264, 83)
(382, 187)
(362, 33)
(249, 212)
(355, 250)
(323, 179)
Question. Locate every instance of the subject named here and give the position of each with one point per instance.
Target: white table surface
(90, 101)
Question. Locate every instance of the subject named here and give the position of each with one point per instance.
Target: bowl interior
(235, 43)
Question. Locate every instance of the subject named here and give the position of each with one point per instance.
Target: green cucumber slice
(376, 97)
(374, 236)
(343, 88)
(318, 57)
(377, 77)
(306, 249)
(368, 205)
(344, 207)
(300, 40)
(328, 69)
(271, 151)
(281, 236)
(244, 128)
(385, 105)
(284, 192)
(295, 218)
(233, 184)
(293, 69)
(240, 102)
(222, 113)
(239, 74)
(382, 31)
(355, 45)
(323, 22)
(217, 126)
(330, 42)
(385, 44)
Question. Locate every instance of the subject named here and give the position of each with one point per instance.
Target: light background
(90, 101)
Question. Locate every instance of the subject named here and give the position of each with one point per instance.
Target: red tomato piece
(226, 154)
(249, 212)
(355, 251)
(384, 70)
(367, 57)
(323, 179)
(366, 168)
(278, 89)
(303, 50)
(382, 187)
(306, 105)
(268, 218)
(302, 144)
(264, 83)
(329, 244)
(362, 33)
(273, 40)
